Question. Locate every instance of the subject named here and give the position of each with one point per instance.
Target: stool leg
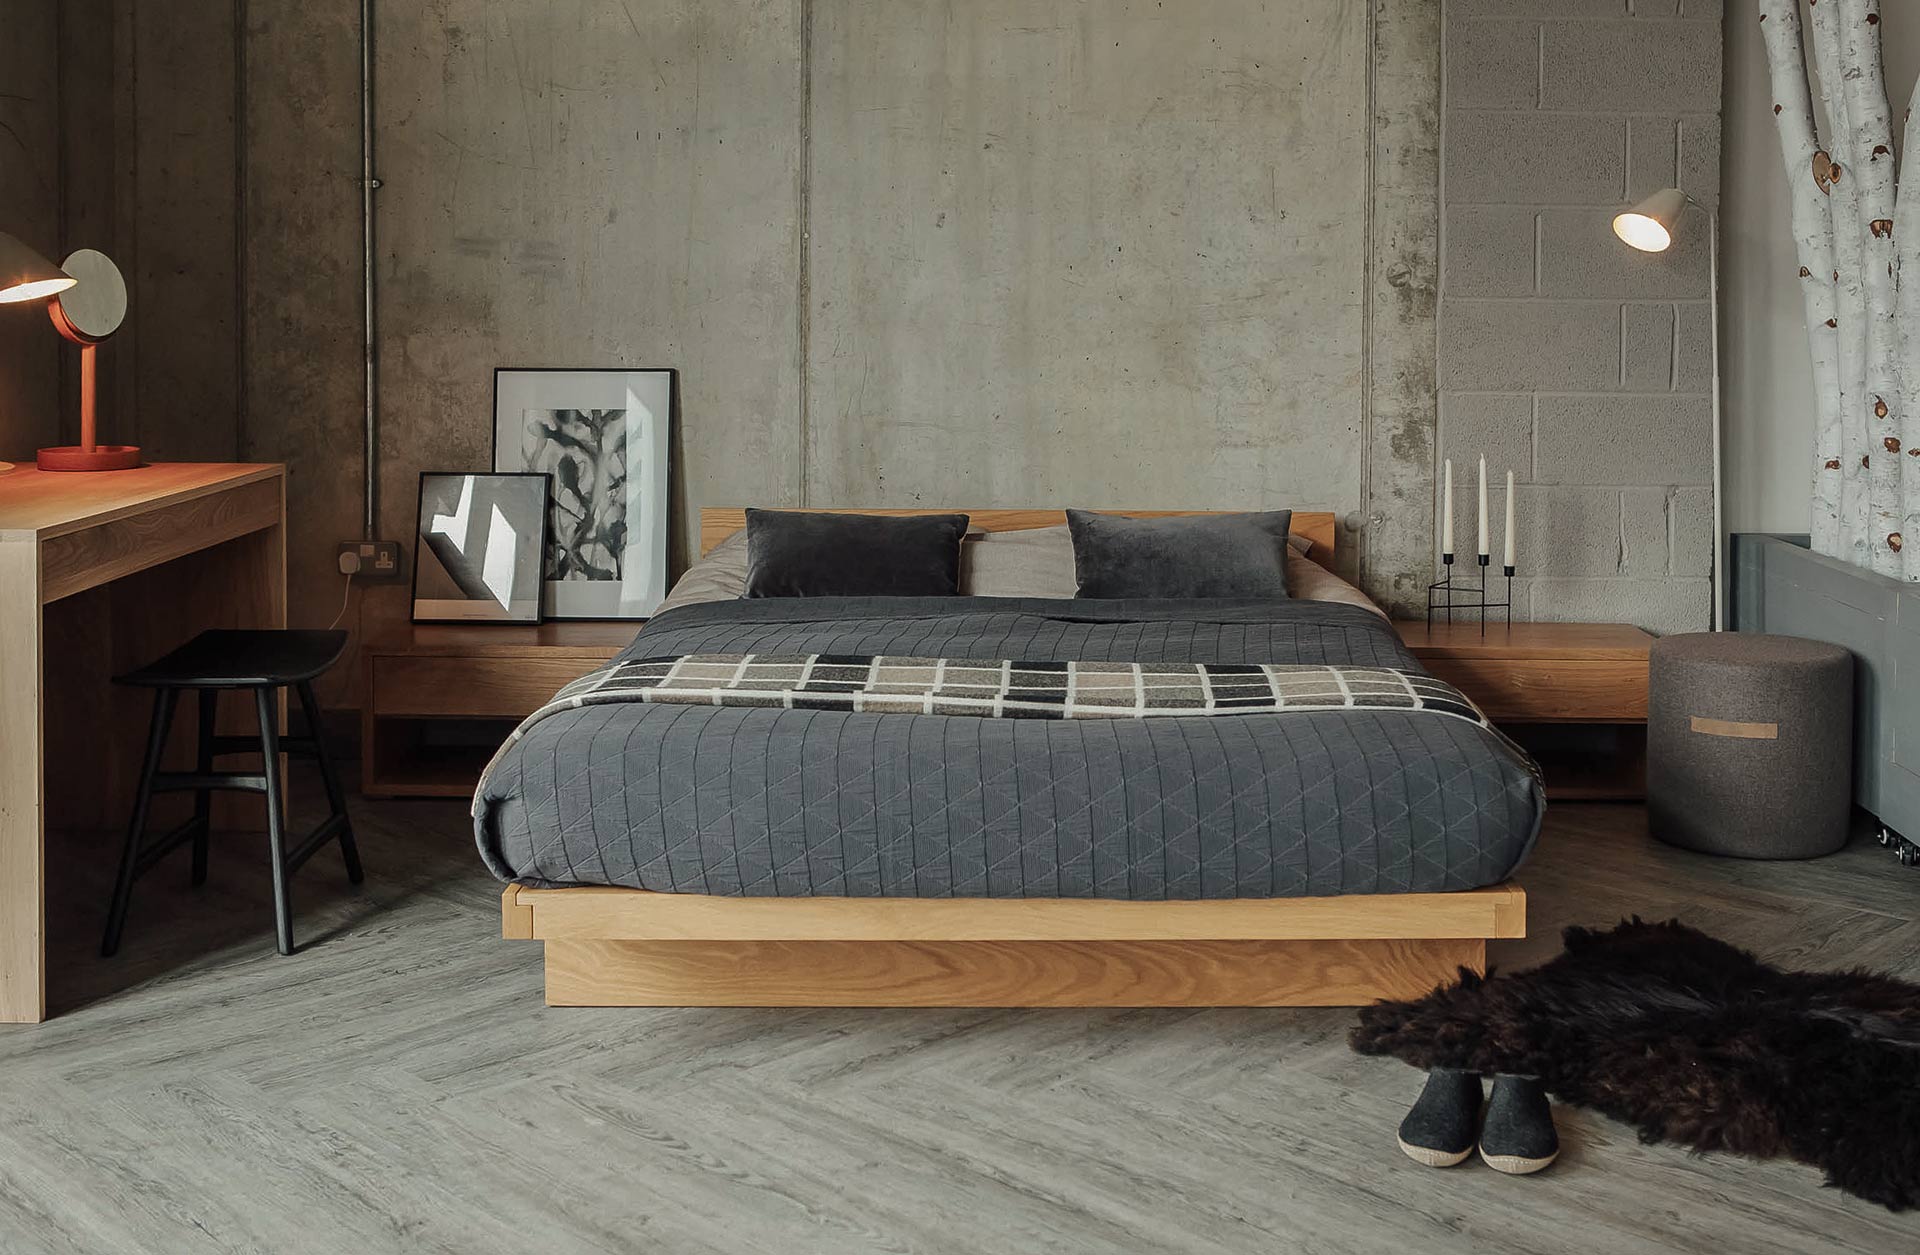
(203, 798)
(276, 816)
(163, 706)
(336, 796)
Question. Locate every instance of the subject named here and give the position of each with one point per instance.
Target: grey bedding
(733, 800)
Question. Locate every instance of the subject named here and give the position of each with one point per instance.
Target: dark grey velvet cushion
(1199, 555)
(805, 554)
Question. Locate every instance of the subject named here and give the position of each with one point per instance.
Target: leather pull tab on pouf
(1750, 744)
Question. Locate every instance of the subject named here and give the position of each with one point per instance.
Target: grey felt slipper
(1439, 1131)
(1517, 1137)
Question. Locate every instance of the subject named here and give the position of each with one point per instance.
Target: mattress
(778, 802)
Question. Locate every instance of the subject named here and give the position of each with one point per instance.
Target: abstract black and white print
(586, 453)
(602, 437)
(479, 548)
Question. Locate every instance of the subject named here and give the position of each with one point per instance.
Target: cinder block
(1565, 531)
(1646, 351)
(1662, 606)
(1624, 440)
(1652, 156)
(1580, 256)
(1489, 251)
(1494, 425)
(1630, 65)
(1493, 65)
(1536, 8)
(1512, 346)
(1643, 531)
(1700, 158)
(1534, 158)
(1692, 510)
(1677, 8)
(1693, 347)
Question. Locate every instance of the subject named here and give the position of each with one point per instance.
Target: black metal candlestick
(1443, 594)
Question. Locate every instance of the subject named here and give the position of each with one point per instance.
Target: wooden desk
(98, 573)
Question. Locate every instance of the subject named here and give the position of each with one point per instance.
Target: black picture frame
(540, 547)
(636, 595)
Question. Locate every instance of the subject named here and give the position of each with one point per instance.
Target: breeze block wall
(1583, 366)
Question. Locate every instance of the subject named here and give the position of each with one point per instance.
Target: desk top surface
(37, 504)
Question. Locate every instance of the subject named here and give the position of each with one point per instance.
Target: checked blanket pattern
(1010, 689)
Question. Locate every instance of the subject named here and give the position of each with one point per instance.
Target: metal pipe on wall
(368, 185)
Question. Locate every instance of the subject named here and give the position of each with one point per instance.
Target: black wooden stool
(264, 661)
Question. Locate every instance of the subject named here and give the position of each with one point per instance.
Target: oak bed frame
(630, 947)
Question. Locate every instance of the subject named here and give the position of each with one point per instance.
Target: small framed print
(478, 547)
(603, 436)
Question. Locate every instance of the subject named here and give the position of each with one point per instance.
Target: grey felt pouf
(1750, 744)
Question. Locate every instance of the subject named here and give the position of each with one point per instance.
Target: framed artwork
(602, 435)
(479, 547)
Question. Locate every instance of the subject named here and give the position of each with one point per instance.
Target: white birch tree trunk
(1871, 141)
(1813, 243)
(1850, 297)
(1906, 227)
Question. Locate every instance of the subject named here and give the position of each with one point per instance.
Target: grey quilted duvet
(741, 800)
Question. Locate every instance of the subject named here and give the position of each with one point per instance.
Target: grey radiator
(1779, 585)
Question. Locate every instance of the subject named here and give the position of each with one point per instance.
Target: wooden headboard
(1316, 525)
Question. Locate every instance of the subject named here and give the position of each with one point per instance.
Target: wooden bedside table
(425, 674)
(1530, 677)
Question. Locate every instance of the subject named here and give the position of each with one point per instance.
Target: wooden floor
(398, 1087)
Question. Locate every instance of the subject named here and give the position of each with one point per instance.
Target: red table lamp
(88, 303)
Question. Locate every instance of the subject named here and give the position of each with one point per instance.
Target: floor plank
(398, 1086)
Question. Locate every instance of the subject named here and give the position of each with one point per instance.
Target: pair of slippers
(1515, 1136)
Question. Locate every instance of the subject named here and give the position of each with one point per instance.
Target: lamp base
(105, 457)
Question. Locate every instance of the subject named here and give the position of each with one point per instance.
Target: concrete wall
(302, 255)
(1062, 253)
(1583, 366)
(117, 133)
(993, 254)
(30, 211)
(999, 254)
(1768, 383)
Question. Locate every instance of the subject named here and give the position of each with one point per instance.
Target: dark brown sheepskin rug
(1693, 1041)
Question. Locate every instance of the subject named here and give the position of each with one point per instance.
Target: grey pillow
(1198, 555)
(797, 553)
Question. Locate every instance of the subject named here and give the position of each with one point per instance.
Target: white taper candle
(1483, 536)
(1509, 557)
(1446, 515)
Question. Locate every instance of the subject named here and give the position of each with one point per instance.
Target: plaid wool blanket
(1008, 689)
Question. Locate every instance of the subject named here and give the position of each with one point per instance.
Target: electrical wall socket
(379, 561)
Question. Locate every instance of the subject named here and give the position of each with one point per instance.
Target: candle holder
(1446, 596)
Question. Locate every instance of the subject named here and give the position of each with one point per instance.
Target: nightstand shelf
(1533, 678)
(425, 682)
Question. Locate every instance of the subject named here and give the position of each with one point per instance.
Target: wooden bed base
(631, 948)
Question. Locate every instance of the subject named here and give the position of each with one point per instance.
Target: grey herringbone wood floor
(398, 1086)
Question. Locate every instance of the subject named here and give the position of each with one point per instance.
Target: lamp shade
(27, 276)
(1648, 226)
